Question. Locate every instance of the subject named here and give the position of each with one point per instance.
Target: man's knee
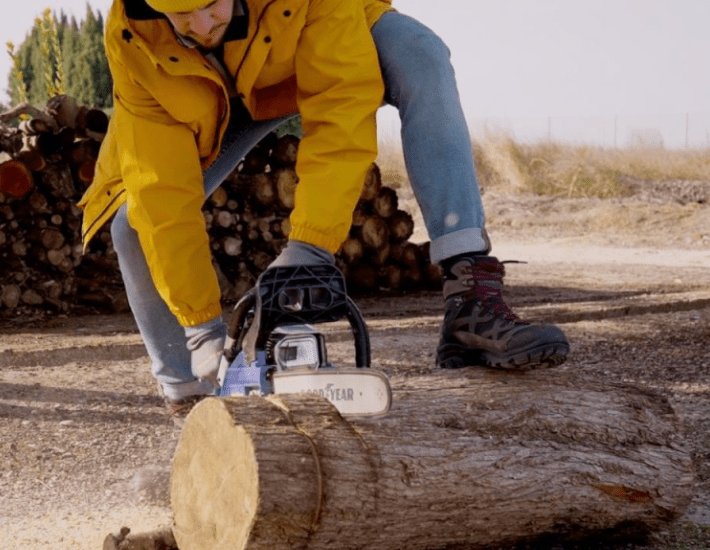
(429, 50)
(424, 61)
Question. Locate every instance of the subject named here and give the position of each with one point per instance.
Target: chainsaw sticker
(357, 392)
(331, 393)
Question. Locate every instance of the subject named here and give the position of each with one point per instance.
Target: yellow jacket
(172, 108)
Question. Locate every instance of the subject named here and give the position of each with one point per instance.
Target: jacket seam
(102, 213)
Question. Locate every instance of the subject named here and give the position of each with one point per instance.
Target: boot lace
(485, 281)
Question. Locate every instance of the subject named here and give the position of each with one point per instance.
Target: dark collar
(141, 11)
(237, 30)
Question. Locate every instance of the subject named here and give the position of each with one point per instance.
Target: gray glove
(206, 344)
(300, 253)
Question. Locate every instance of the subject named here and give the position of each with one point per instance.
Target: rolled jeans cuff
(459, 242)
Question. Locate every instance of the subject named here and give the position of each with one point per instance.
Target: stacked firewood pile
(46, 163)
(48, 160)
(248, 220)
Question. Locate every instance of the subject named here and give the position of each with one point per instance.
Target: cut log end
(224, 483)
(15, 178)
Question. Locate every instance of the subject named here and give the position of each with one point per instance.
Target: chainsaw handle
(238, 323)
(360, 334)
(262, 302)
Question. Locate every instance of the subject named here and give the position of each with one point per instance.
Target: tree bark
(473, 459)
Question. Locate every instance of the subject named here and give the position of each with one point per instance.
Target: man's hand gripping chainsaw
(289, 355)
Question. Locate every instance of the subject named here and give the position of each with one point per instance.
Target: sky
(547, 60)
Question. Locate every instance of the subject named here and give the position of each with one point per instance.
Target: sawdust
(85, 439)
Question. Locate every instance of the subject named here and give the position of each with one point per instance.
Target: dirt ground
(85, 440)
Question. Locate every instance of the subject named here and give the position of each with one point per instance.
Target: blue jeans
(419, 81)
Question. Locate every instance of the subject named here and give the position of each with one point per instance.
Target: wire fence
(676, 131)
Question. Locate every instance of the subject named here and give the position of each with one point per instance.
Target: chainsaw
(289, 354)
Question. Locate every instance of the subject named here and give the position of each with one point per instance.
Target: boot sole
(453, 356)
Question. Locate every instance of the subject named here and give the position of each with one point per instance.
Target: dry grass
(564, 170)
(391, 163)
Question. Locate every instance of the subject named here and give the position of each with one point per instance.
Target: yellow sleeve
(339, 91)
(161, 171)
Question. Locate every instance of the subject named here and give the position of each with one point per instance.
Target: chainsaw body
(289, 354)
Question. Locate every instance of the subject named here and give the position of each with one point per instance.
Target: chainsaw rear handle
(239, 324)
(360, 334)
(297, 295)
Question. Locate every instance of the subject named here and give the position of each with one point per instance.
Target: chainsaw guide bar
(354, 392)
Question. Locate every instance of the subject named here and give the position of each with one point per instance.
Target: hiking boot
(180, 408)
(479, 329)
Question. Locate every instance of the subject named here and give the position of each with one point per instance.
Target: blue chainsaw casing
(243, 379)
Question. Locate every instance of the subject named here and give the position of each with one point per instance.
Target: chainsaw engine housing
(296, 347)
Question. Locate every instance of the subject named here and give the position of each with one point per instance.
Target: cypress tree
(71, 53)
(83, 58)
(104, 82)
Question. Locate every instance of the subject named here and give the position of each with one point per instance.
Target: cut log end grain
(232, 246)
(226, 483)
(286, 151)
(52, 239)
(10, 295)
(286, 181)
(15, 178)
(371, 185)
(375, 234)
(85, 172)
(363, 210)
(401, 226)
(219, 198)
(352, 250)
(386, 202)
(261, 188)
(33, 159)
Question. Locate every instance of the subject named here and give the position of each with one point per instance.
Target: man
(200, 82)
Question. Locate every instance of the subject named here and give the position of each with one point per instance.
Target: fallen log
(473, 459)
